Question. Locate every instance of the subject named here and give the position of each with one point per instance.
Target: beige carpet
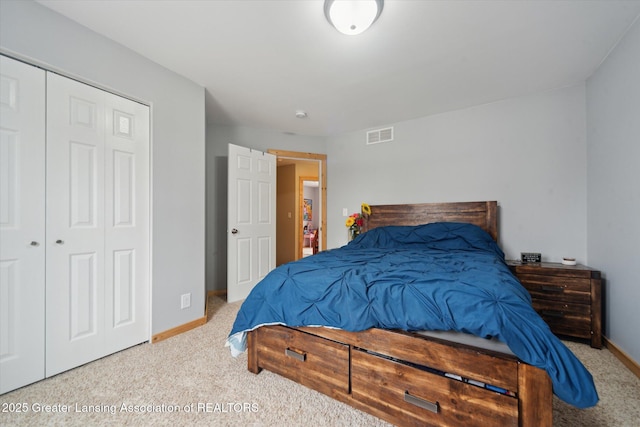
(191, 379)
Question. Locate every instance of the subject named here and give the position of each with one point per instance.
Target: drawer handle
(552, 313)
(298, 356)
(558, 289)
(421, 403)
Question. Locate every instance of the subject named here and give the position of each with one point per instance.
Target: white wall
(528, 153)
(34, 32)
(218, 138)
(613, 135)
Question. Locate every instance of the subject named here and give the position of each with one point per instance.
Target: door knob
(234, 231)
(34, 243)
(60, 242)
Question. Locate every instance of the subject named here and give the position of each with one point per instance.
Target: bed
(417, 358)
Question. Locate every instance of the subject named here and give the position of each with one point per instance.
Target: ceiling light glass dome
(352, 17)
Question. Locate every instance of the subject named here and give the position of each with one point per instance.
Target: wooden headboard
(482, 214)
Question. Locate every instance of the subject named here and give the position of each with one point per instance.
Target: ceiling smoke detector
(301, 114)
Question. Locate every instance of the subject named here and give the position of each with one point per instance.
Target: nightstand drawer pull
(298, 356)
(552, 313)
(421, 403)
(558, 289)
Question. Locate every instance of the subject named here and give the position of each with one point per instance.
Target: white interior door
(251, 222)
(97, 224)
(22, 224)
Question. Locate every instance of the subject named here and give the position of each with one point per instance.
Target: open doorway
(294, 169)
(309, 197)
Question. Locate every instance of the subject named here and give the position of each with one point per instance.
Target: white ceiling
(262, 60)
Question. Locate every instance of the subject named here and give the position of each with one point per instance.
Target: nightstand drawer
(560, 309)
(575, 326)
(565, 289)
(316, 362)
(566, 319)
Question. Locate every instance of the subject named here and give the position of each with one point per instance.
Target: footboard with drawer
(406, 378)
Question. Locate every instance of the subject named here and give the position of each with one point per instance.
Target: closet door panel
(98, 224)
(22, 223)
(126, 223)
(75, 224)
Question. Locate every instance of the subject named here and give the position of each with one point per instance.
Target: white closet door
(22, 224)
(126, 223)
(97, 227)
(75, 224)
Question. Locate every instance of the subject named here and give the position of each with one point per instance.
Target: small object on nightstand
(568, 261)
(526, 257)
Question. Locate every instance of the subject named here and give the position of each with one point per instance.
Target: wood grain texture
(568, 298)
(322, 365)
(459, 359)
(535, 397)
(482, 214)
(178, 330)
(377, 384)
(382, 383)
(252, 352)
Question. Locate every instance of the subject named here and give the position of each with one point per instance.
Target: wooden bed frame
(387, 372)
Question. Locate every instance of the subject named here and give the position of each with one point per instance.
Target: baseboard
(626, 360)
(191, 325)
(218, 293)
(179, 329)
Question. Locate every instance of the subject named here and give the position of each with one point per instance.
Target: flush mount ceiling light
(352, 17)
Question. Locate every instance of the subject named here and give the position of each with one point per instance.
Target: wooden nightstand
(568, 298)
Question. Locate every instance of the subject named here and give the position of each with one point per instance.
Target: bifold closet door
(22, 224)
(97, 202)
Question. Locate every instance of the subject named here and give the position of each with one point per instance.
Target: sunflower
(366, 209)
(350, 221)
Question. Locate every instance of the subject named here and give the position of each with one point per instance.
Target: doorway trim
(322, 159)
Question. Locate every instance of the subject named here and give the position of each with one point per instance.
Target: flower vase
(353, 233)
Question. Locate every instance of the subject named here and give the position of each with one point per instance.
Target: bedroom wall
(33, 32)
(218, 138)
(528, 153)
(613, 177)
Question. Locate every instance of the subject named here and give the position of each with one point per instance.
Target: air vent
(380, 135)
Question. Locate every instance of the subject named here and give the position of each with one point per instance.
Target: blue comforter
(439, 276)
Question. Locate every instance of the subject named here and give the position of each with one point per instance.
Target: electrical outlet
(345, 212)
(185, 301)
